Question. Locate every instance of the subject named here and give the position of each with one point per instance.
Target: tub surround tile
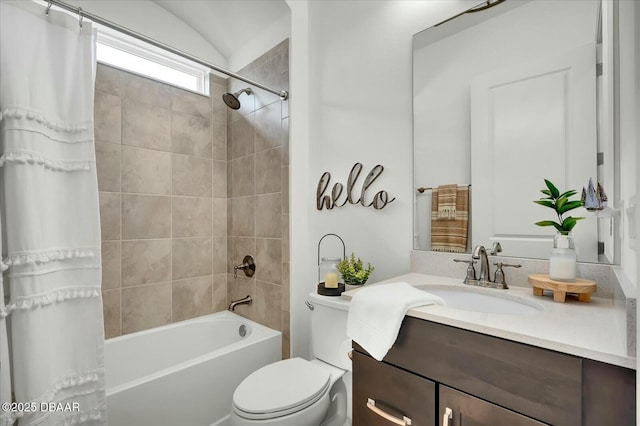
(284, 178)
(241, 217)
(220, 292)
(111, 313)
(146, 126)
(219, 132)
(109, 215)
(286, 242)
(238, 248)
(268, 127)
(285, 141)
(219, 214)
(267, 301)
(110, 265)
(192, 298)
(242, 176)
(192, 257)
(108, 166)
(146, 307)
(145, 216)
(268, 216)
(219, 255)
(191, 217)
(144, 171)
(107, 118)
(269, 257)
(146, 90)
(219, 184)
(241, 136)
(146, 262)
(218, 107)
(191, 135)
(286, 292)
(269, 169)
(191, 176)
(190, 103)
(286, 334)
(239, 288)
(108, 80)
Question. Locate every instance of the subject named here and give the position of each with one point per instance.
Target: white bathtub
(184, 374)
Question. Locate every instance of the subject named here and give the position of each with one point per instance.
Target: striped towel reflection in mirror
(450, 233)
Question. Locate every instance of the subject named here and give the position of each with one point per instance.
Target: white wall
(151, 20)
(358, 103)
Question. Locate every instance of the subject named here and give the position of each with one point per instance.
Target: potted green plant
(353, 272)
(562, 261)
(561, 204)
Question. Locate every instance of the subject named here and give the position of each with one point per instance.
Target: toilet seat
(281, 388)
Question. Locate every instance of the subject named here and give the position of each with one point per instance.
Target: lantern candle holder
(330, 282)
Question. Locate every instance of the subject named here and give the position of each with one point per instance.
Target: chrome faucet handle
(471, 271)
(498, 278)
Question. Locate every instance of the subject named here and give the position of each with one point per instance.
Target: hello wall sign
(379, 201)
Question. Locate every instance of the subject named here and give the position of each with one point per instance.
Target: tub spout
(244, 301)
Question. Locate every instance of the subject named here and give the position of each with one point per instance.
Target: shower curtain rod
(283, 94)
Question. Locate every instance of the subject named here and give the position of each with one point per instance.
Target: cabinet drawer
(396, 392)
(538, 383)
(471, 411)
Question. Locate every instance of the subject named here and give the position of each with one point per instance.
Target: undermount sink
(480, 300)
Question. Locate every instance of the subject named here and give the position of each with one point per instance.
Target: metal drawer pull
(371, 405)
(448, 415)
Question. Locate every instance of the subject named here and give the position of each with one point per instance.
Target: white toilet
(297, 392)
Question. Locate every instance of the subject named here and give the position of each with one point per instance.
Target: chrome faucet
(480, 253)
(484, 280)
(244, 301)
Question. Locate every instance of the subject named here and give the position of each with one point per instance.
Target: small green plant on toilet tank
(561, 204)
(353, 271)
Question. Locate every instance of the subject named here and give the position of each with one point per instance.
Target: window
(127, 53)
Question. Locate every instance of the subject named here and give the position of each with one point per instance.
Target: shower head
(231, 99)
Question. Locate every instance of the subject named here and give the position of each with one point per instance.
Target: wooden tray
(582, 287)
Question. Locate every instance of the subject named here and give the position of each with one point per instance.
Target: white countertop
(593, 330)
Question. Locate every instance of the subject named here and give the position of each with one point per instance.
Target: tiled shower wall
(161, 160)
(258, 176)
(168, 242)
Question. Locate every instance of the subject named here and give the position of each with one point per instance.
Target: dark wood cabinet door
(380, 389)
(468, 410)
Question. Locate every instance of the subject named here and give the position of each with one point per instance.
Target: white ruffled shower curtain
(50, 220)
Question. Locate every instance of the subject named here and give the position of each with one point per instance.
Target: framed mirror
(504, 98)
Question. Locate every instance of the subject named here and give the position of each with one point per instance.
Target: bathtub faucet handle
(247, 265)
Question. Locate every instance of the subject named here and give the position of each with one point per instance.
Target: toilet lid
(280, 388)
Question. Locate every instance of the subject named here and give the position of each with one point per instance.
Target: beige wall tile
(242, 176)
(220, 292)
(110, 265)
(286, 335)
(219, 184)
(286, 243)
(146, 126)
(218, 108)
(269, 168)
(268, 127)
(108, 166)
(219, 255)
(240, 137)
(107, 118)
(109, 215)
(267, 300)
(190, 103)
(268, 217)
(146, 216)
(219, 208)
(145, 307)
(269, 258)
(191, 217)
(191, 135)
(192, 257)
(285, 189)
(192, 176)
(108, 80)
(285, 142)
(192, 298)
(146, 90)
(219, 131)
(111, 313)
(146, 171)
(241, 217)
(146, 262)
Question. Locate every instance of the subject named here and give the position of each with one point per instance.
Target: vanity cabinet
(486, 380)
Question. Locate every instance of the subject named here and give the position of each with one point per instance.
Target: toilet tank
(329, 341)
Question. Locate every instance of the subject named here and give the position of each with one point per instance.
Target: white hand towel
(376, 314)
